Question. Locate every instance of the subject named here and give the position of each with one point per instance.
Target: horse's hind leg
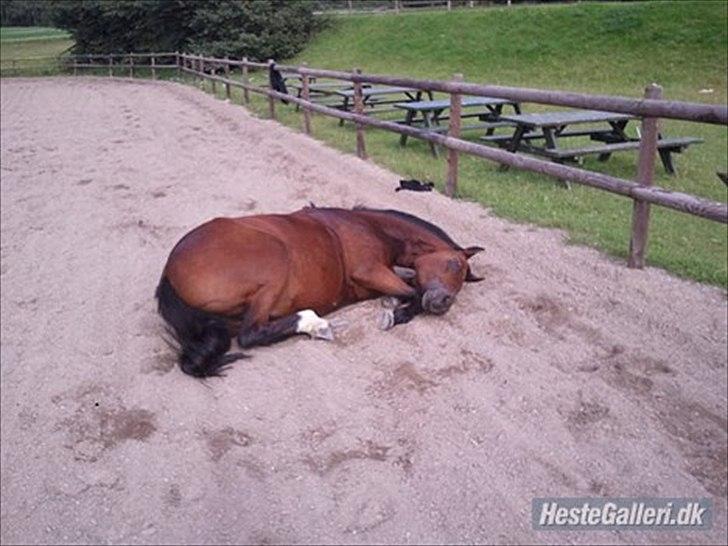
(303, 322)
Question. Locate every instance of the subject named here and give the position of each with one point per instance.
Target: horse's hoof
(386, 320)
(389, 302)
(313, 325)
(323, 333)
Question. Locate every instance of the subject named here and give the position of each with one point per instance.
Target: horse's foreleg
(303, 322)
(387, 282)
(401, 315)
(383, 280)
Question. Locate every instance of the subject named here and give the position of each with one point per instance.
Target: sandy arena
(562, 374)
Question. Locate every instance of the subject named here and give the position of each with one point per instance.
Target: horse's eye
(454, 266)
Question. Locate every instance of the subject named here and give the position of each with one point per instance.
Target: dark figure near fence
(264, 278)
(276, 81)
(415, 185)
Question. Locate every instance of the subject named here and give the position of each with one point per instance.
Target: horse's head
(440, 276)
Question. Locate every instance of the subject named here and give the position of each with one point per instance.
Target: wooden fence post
(271, 100)
(131, 65)
(306, 95)
(451, 182)
(177, 62)
(75, 66)
(361, 151)
(227, 77)
(154, 69)
(246, 93)
(645, 177)
(111, 66)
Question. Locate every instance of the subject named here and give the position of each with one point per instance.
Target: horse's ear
(472, 251)
(472, 278)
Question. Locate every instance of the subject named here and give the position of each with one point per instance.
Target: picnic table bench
(372, 96)
(551, 128)
(430, 115)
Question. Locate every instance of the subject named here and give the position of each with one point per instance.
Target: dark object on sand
(415, 185)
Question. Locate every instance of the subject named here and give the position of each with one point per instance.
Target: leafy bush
(24, 13)
(258, 29)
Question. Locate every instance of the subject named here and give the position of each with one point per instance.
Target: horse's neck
(414, 240)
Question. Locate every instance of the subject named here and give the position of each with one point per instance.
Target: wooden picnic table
(324, 88)
(322, 92)
(430, 112)
(295, 76)
(551, 127)
(370, 96)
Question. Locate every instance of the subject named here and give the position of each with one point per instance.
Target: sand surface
(562, 374)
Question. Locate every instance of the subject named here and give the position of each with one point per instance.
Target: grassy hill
(615, 47)
(35, 45)
(606, 48)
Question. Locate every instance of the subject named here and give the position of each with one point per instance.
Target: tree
(258, 29)
(24, 13)
(117, 26)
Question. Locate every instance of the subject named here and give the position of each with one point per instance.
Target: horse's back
(225, 263)
(212, 268)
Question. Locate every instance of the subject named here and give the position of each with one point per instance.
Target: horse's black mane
(432, 228)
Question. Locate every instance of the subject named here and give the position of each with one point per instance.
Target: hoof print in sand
(219, 442)
(98, 421)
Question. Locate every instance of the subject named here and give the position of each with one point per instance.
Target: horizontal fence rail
(33, 64)
(690, 111)
(127, 61)
(675, 200)
(650, 109)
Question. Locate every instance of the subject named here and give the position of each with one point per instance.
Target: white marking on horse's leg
(313, 325)
(386, 320)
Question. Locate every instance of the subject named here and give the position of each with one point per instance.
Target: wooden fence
(642, 191)
(29, 65)
(127, 63)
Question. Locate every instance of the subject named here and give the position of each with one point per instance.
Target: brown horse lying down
(267, 277)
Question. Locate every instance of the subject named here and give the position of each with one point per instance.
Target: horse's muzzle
(437, 301)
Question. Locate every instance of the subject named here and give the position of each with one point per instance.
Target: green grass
(33, 49)
(15, 34)
(613, 49)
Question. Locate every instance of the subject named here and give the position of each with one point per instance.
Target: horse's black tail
(203, 338)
